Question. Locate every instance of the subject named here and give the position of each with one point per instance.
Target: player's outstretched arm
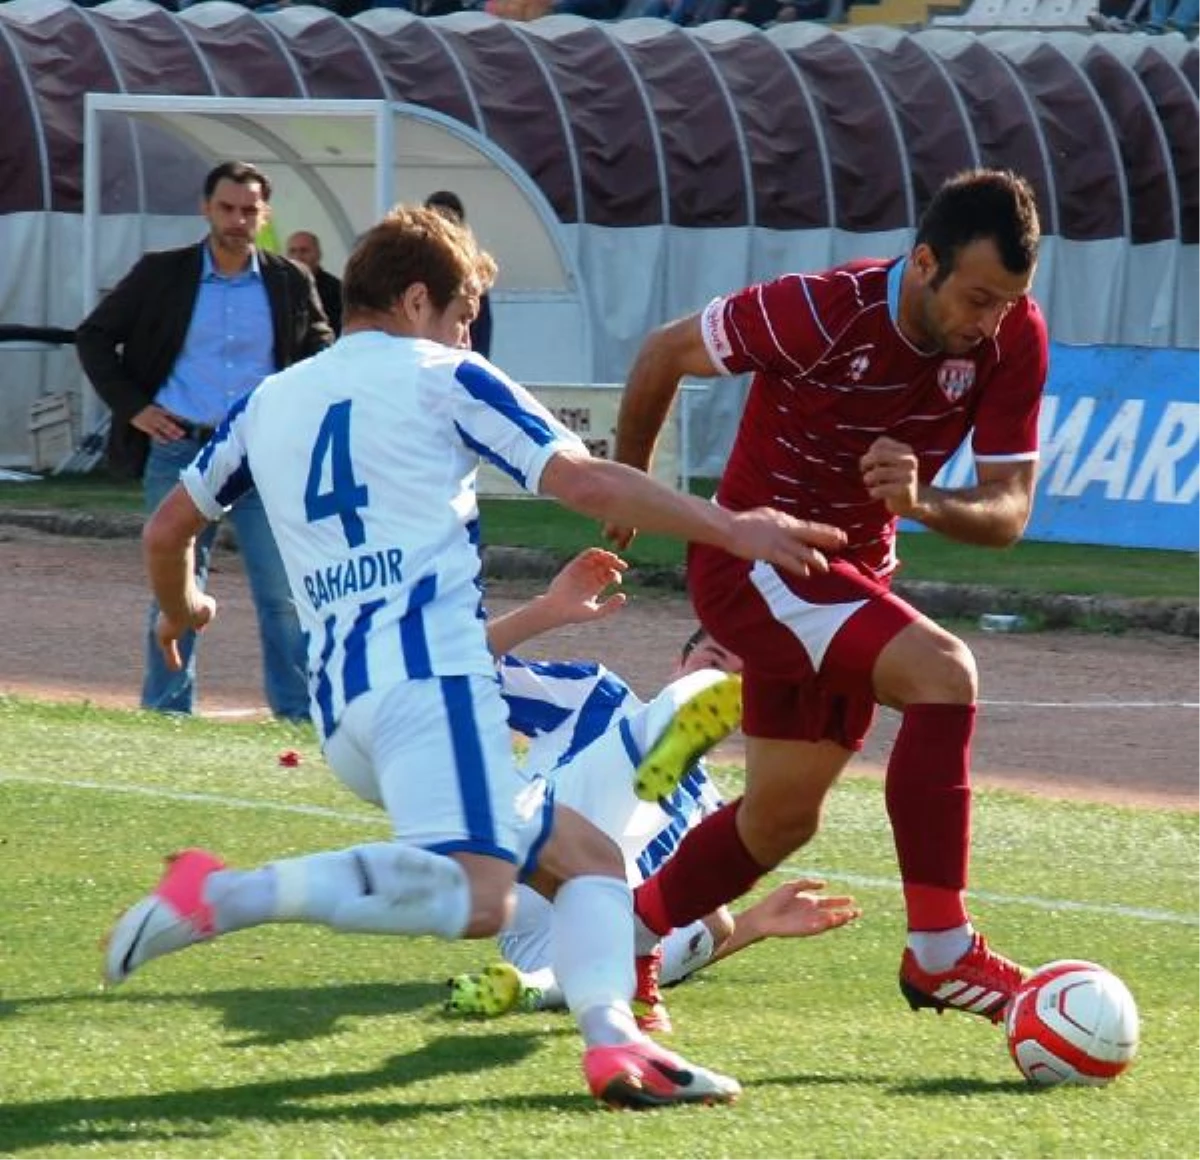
(667, 354)
(796, 909)
(579, 593)
(168, 549)
(621, 495)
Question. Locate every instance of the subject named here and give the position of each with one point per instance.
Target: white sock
(644, 939)
(685, 950)
(550, 996)
(241, 898)
(377, 888)
(592, 943)
(939, 950)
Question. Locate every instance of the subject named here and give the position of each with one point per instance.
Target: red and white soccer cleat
(644, 1075)
(174, 915)
(980, 983)
(648, 1007)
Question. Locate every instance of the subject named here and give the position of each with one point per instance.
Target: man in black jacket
(305, 247)
(450, 205)
(183, 337)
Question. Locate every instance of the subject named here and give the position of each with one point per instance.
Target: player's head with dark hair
(973, 260)
(993, 204)
(417, 264)
(240, 173)
(700, 651)
(448, 202)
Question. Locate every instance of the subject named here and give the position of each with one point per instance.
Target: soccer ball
(1072, 1022)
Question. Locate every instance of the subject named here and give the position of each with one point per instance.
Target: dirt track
(1111, 718)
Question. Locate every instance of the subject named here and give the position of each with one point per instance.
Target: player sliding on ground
(592, 738)
(365, 459)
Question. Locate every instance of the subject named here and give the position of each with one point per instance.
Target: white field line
(1139, 913)
(1050, 904)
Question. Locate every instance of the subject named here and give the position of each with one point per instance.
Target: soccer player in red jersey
(866, 378)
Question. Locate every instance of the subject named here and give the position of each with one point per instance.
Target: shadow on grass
(949, 1085)
(208, 1113)
(960, 1086)
(271, 1017)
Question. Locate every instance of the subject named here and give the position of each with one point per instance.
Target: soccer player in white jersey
(365, 459)
(589, 733)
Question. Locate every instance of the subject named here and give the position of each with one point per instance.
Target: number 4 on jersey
(345, 494)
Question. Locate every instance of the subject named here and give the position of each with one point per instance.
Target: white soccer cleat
(173, 916)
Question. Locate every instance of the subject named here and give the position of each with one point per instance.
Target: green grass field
(292, 1041)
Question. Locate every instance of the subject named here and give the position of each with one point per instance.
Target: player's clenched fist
(795, 545)
(889, 471)
(168, 630)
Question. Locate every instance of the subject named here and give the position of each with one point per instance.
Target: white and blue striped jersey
(365, 457)
(566, 709)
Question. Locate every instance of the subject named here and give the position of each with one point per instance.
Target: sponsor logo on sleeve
(713, 327)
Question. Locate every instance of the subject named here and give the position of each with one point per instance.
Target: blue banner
(1120, 449)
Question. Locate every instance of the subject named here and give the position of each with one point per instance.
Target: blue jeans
(1181, 14)
(285, 680)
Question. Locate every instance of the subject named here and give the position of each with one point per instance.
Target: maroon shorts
(809, 644)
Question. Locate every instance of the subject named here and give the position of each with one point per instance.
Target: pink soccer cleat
(644, 1075)
(173, 916)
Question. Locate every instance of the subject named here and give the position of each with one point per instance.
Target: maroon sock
(928, 796)
(711, 867)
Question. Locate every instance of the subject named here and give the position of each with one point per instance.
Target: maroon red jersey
(832, 373)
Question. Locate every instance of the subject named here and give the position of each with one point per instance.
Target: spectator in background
(450, 205)
(1147, 16)
(760, 13)
(536, 9)
(180, 339)
(305, 247)
(1173, 16)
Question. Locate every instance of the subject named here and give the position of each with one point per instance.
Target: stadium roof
(639, 123)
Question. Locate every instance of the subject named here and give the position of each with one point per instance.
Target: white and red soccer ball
(1072, 1022)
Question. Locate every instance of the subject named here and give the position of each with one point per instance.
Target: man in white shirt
(365, 458)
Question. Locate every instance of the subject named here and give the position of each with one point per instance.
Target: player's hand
(796, 910)
(795, 545)
(169, 632)
(152, 420)
(577, 593)
(619, 537)
(889, 470)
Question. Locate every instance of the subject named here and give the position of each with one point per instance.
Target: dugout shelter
(622, 173)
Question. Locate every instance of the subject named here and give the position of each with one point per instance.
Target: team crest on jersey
(956, 376)
(858, 367)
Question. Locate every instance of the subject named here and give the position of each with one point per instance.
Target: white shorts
(437, 755)
(598, 781)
